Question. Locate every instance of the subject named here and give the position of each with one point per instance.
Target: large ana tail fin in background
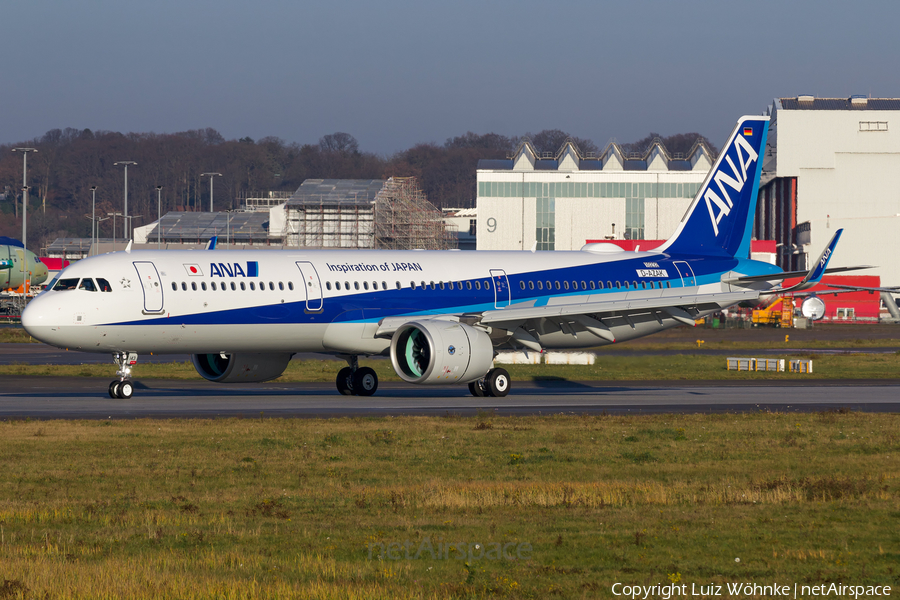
(720, 219)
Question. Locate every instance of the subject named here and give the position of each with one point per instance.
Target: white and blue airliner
(441, 316)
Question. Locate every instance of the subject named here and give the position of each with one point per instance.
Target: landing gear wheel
(497, 382)
(476, 389)
(365, 381)
(122, 387)
(125, 389)
(343, 381)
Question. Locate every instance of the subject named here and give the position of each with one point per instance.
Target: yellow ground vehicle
(780, 313)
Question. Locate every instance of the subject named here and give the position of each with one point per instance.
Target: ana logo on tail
(735, 181)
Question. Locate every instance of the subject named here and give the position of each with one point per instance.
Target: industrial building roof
(570, 157)
(337, 191)
(236, 226)
(852, 103)
(71, 246)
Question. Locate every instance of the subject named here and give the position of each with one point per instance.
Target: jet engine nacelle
(435, 352)
(240, 368)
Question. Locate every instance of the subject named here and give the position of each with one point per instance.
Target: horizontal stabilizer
(858, 288)
(788, 274)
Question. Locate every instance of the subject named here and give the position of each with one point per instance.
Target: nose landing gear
(122, 387)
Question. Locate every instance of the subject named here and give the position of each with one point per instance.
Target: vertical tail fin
(720, 219)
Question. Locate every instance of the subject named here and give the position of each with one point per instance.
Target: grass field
(310, 508)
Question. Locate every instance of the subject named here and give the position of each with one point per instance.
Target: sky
(394, 73)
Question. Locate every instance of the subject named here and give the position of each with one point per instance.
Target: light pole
(24, 152)
(93, 217)
(114, 215)
(100, 220)
(126, 163)
(158, 217)
(211, 175)
(228, 226)
(128, 226)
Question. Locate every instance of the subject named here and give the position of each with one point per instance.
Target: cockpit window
(50, 285)
(104, 285)
(88, 285)
(65, 284)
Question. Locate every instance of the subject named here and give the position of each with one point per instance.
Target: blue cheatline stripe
(373, 306)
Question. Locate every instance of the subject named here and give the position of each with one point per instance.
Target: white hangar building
(833, 163)
(563, 200)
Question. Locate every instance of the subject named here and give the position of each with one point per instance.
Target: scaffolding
(347, 213)
(406, 220)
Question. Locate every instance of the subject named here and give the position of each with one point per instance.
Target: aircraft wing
(680, 308)
(589, 315)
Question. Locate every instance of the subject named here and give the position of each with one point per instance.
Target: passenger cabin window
(174, 287)
(291, 285)
(233, 287)
(183, 286)
(213, 286)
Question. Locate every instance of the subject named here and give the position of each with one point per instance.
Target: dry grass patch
(292, 508)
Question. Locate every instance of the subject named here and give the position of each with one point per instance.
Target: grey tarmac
(86, 398)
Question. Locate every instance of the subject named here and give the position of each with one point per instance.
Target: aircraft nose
(37, 320)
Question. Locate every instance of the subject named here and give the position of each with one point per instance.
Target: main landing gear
(122, 387)
(495, 383)
(355, 380)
